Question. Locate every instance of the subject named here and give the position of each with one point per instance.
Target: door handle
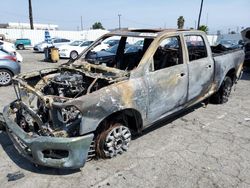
(182, 74)
(208, 66)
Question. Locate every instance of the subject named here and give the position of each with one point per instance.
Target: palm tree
(30, 15)
(180, 22)
(199, 19)
(203, 28)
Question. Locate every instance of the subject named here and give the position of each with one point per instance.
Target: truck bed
(225, 61)
(220, 50)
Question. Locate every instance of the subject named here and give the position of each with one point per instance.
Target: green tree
(180, 22)
(97, 25)
(203, 28)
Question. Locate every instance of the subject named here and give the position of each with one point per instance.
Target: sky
(217, 14)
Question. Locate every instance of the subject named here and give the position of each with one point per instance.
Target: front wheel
(112, 141)
(223, 94)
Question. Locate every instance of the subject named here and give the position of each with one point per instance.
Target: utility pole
(81, 24)
(207, 20)
(199, 19)
(31, 15)
(119, 15)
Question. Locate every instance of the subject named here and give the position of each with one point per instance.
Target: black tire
(108, 145)
(73, 55)
(20, 47)
(5, 77)
(223, 94)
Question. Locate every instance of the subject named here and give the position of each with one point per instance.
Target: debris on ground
(247, 119)
(15, 176)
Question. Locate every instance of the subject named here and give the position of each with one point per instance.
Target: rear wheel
(5, 77)
(223, 94)
(73, 55)
(112, 141)
(20, 47)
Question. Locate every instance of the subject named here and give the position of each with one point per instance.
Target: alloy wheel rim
(117, 141)
(5, 78)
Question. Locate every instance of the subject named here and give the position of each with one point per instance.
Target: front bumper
(33, 147)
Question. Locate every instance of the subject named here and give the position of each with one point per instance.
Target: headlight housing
(69, 114)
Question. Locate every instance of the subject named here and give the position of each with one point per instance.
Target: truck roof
(149, 33)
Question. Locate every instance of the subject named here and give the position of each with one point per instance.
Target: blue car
(9, 66)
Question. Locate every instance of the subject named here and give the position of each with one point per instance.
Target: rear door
(200, 66)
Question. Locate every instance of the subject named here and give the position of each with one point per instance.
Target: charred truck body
(92, 106)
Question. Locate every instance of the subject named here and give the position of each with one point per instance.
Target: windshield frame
(125, 34)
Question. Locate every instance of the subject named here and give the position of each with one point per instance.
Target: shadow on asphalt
(23, 163)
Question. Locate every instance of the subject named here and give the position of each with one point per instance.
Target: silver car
(9, 66)
(54, 42)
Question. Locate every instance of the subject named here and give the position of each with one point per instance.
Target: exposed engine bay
(37, 115)
(66, 84)
(70, 84)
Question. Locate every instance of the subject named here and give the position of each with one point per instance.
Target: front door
(167, 80)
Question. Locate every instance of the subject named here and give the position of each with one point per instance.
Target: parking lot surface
(206, 146)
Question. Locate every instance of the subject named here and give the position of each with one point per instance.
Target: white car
(10, 47)
(106, 44)
(57, 42)
(73, 49)
(100, 47)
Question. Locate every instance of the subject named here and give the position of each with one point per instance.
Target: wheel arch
(130, 117)
(4, 68)
(231, 74)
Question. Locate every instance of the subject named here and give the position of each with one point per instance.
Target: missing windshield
(123, 53)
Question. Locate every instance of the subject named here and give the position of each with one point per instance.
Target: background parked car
(20, 44)
(107, 57)
(10, 47)
(9, 66)
(57, 42)
(139, 43)
(72, 49)
(112, 42)
(229, 44)
(106, 44)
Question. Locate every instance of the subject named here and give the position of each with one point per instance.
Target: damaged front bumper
(70, 152)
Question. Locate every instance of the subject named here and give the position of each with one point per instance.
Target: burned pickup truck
(91, 107)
